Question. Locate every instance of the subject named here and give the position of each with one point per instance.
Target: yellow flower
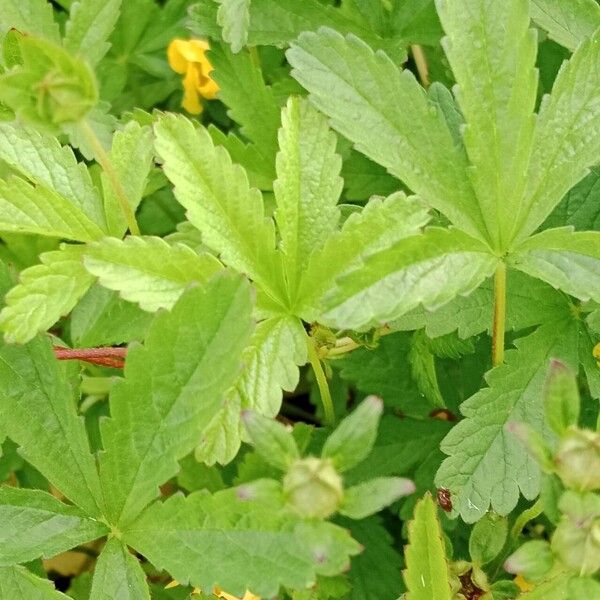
(523, 584)
(188, 58)
(597, 353)
(218, 592)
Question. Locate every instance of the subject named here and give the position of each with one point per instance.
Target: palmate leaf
(131, 155)
(37, 525)
(430, 269)
(219, 201)
(44, 162)
(174, 386)
(568, 23)
(492, 53)
(89, 26)
(388, 117)
(19, 582)
(307, 188)
(381, 224)
(118, 575)
(239, 539)
(567, 136)
(38, 413)
(148, 270)
(427, 575)
(487, 467)
(567, 260)
(45, 293)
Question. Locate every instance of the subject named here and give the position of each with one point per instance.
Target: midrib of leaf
(93, 494)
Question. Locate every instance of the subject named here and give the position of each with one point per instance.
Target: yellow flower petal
(219, 593)
(188, 57)
(191, 98)
(596, 353)
(523, 584)
(173, 584)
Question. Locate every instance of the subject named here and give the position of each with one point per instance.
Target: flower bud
(313, 487)
(532, 560)
(577, 544)
(578, 460)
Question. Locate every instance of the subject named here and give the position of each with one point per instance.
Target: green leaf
(37, 525)
(254, 543)
(38, 413)
(148, 270)
(567, 260)
(487, 538)
(416, 21)
(387, 115)
(271, 359)
(90, 24)
(430, 269)
(276, 349)
(307, 188)
(250, 102)
(102, 318)
(384, 371)
(353, 439)
(568, 124)
(492, 53)
(118, 575)
(221, 439)
(42, 161)
(26, 208)
(219, 201)
(30, 17)
(291, 19)
(422, 368)
(370, 497)
(131, 155)
(426, 575)
(381, 224)
(530, 301)
(375, 573)
(580, 207)
(45, 293)
(174, 385)
(480, 449)
(561, 398)
(568, 23)
(19, 582)
(234, 17)
(271, 440)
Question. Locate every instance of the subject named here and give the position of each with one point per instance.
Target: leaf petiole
(315, 363)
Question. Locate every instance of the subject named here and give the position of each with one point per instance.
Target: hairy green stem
(322, 384)
(104, 161)
(499, 326)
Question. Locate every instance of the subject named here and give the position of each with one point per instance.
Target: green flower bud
(578, 545)
(532, 560)
(577, 459)
(313, 487)
(48, 86)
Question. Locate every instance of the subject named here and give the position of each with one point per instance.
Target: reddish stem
(105, 357)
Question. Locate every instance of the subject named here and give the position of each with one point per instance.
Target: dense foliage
(300, 299)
